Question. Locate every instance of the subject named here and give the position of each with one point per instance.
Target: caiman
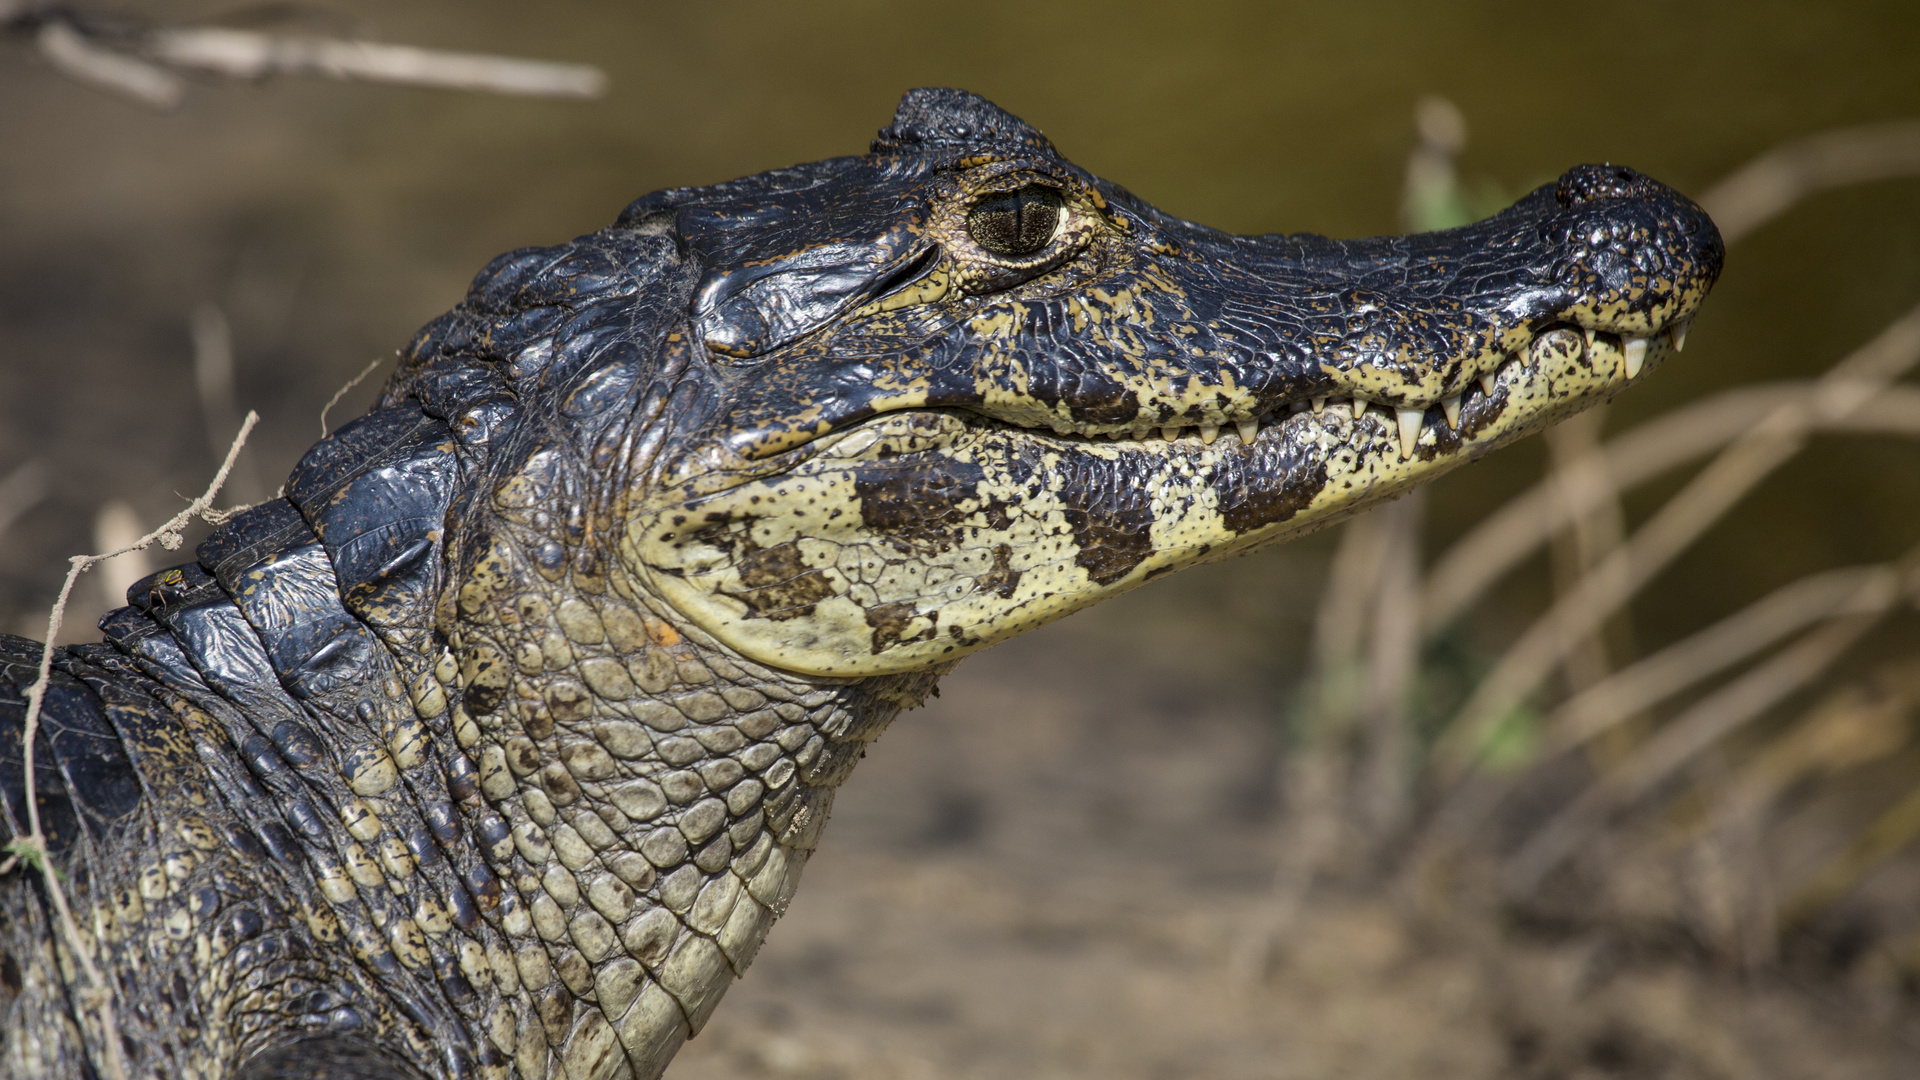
(494, 746)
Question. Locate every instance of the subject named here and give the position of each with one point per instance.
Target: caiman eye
(1017, 224)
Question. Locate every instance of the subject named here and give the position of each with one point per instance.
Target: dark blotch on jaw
(779, 583)
(1108, 508)
(917, 508)
(890, 623)
(1267, 499)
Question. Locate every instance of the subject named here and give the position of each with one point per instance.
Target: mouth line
(1623, 356)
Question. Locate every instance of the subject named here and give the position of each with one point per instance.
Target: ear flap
(938, 118)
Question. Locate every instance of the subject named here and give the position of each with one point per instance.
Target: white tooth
(1249, 429)
(1359, 406)
(1636, 356)
(1489, 382)
(1410, 421)
(1678, 332)
(1209, 432)
(1169, 433)
(1140, 433)
(1589, 334)
(1452, 405)
(1116, 436)
(1319, 403)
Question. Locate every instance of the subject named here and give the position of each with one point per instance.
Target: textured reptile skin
(496, 745)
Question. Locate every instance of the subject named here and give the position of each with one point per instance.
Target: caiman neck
(651, 796)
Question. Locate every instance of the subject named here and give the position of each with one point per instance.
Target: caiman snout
(1589, 183)
(1119, 394)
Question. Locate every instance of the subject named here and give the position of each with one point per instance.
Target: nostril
(1587, 183)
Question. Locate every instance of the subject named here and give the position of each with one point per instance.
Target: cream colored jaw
(795, 577)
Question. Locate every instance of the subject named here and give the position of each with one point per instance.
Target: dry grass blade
(1708, 652)
(1703, 725)
(70, 51)
(1462, 574)
(342, 392)
(32, 847)
(1767, 186)
(1726, 480)
(1646, 683)
(248, 54)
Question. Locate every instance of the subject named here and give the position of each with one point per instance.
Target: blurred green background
(1076, 768)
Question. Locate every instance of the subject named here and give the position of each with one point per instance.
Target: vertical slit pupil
(1018, 223)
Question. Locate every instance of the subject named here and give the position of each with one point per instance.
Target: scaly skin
(495, 747)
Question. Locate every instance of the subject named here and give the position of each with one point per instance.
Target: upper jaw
(1204, 334)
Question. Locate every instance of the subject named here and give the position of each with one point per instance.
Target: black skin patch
(1246, 506)
(1003, 578)
(1112, 523)
(779, 583)
(891, 623)
(918, 510)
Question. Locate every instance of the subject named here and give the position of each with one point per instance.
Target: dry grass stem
(33, 847)
(1579, 477)
(1709, 652)
(342, 392)
(76, 56)
(143, 62)
(1383, 782)
(1770, 184)
(248, 54)
(1505, 538)
(1715, 490)
(1682, 739)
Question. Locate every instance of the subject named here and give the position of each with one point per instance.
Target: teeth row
(1410, 420)
(1248, 430)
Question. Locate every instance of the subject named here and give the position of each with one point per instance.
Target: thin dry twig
(1770, 444)
(1770, 184)
(249, 54)
(32, 847)
(342, 392)
(1505, 538)
(1705, 724)
(78, 57)
(144, 62)
(1674, 669)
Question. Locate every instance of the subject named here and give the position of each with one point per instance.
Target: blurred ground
(1040, 874)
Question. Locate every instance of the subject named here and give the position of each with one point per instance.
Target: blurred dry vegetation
(1597, 759)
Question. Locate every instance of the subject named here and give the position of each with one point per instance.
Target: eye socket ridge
(1017, 224)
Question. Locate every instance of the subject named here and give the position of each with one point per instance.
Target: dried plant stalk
(1681, 740)
(32, 848)
(1718, 487)
(1462, 575)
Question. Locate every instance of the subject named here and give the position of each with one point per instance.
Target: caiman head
(903, 406)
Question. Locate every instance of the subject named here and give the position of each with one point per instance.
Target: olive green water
(329, 221)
